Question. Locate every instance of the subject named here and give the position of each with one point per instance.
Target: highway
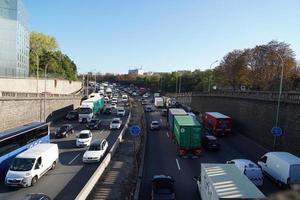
(161, 158)
(71, 174)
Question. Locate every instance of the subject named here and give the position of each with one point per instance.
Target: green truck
(89, 108)
(187, 131)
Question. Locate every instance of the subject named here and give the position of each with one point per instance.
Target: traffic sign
(276, 131)
(135, 130)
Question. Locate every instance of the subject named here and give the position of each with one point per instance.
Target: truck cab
(85, 113)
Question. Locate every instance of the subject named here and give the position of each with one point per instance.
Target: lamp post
(209, 76)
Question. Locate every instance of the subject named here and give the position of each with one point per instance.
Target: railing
(6, 94)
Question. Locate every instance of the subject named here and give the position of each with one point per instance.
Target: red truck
(218, 123)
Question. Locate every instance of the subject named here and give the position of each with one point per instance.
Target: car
(64, 131)
(95, 151)
(145, 102)
(164, 112)
(250, 169)
(121, 112)
(116, 123)
(36, 196)
(107, 111)
(113, 105)
(163, 187)
(154, 125)
(124, 98)
(84, 138)
(93, 124)
(72, 115)
(114, 100)
(106, 99)
(116, 95)
(145, 95)
(134, 93)
(210, 142)
(148, 109)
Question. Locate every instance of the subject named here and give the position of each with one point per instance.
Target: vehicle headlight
(27, 174)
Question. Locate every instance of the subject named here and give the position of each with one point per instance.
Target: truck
(30, 165)
(89, 108)
(171, 112)
(224, 181)
(159, 102)
(217, 123)
(187, 134)
(108, 92)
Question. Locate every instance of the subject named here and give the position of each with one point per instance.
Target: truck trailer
(187, 134)
(159, 102)
(217, 123)
(224, 181)
(171, 112)
(89, 108)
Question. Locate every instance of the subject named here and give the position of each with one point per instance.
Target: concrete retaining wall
(18, 111)
(29, 85)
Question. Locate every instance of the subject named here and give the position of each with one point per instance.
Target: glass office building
(14, 39)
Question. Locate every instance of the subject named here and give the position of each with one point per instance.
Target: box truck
(159, 102)
(171, 112)
(89, 108)
(30, 165)
(187, 134)
(224, 181)
(217, 123)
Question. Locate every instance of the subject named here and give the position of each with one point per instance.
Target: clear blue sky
(162, 35)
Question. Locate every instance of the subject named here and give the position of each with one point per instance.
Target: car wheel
(53, 165)
(34, 180)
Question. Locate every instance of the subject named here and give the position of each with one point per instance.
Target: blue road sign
(276, 131)
(135, 130)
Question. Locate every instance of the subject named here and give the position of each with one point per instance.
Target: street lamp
(45, 91)
(209, 76)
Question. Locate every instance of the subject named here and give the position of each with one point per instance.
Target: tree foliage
(44, 51)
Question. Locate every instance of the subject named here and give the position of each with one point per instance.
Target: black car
(210, 142)
(37, 196)
(93, 124)
(107, 111)
(163, 187)
(72, 115)
(148, 109)
(64, 131)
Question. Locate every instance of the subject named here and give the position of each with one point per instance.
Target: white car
(114, 100)
(84, 138)
(96, 151)
(124, 98)
(250, 169)
(116, 95)
(154, 125)
(113, 105)
(145, 95)
(115, 123)
(121, 112)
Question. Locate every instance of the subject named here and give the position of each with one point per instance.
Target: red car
(218, 123)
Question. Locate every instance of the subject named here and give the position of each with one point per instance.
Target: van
(250, 169)
(30, 165)
(283, 167)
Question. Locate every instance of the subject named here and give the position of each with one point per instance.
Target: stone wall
(30, 85)
(255, 118)
(17, 111)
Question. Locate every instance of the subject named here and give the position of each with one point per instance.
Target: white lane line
(73, 159)
(178, 164)
(168, 134)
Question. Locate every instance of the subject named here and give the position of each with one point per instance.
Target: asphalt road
(71, 174)
(161, 158)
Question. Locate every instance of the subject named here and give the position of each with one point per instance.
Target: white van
(250, 169)
(283, 167)
(27, 167)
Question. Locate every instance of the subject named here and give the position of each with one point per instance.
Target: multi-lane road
(71, 174)
(161, 158)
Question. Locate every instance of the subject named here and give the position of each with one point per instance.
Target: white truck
(30, 165)
(89, 108)
(225, 181)
(158, 101)
(108, 92)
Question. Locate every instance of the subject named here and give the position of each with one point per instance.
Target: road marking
(178, 164)
(73, 159)
(168, 134)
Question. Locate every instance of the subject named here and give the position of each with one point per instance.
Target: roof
(15, 131)
(290, 158)
(177, 111)
(186, 120)
(36, 150)
(84, 131)
(227, 177)
(218, 115)
(97, 142)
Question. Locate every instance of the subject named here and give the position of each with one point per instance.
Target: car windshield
(154, 123)
(85, 111)
(115, 121)
(22, 164)
(83, 135)
(120, 110)
(94, 148)
(62, 129)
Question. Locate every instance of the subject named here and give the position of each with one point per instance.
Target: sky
(162, 35)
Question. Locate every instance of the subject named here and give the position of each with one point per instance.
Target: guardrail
(6, 94)
(84, 193)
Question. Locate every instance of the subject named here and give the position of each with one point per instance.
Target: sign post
(276, 132)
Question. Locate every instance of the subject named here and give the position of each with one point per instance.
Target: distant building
(148, 73)
(136, 71)
(14, 39)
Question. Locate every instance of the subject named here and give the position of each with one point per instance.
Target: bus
(16, 140)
